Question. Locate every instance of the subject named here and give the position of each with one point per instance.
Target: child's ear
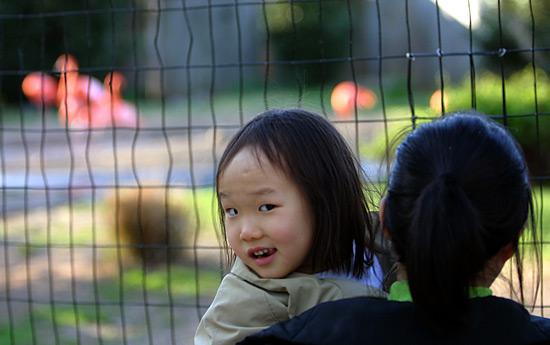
(506, 253)
(381, 213)
(508, 250)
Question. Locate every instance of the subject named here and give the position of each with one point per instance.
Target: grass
(42, 320)
(182, 281)
(182, 284)
(64, 226)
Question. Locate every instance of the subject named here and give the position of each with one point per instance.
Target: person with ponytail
(458, 202)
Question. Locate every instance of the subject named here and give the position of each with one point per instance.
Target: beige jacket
(246, 303)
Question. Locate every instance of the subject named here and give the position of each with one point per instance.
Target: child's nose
(250, 231)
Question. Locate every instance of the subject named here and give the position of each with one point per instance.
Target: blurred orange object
(344, 96)
(435, 101)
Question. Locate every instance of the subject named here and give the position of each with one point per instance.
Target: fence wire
(108, 212)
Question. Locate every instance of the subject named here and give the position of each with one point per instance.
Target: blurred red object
(344, 96)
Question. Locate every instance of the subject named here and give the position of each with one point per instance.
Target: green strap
(400, 292)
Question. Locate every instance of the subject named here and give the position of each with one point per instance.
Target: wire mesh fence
(114, 114)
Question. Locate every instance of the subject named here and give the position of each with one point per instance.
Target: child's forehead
(258, 156)
(253, 174)
(254, 158)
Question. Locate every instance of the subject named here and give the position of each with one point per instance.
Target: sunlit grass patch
(182, 280)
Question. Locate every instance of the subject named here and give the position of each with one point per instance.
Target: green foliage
(46, 29)
(519, 90)
(519, 21)
(378, 147)
(381, 145)
(309, 31)
(542, 211)
(520, 104)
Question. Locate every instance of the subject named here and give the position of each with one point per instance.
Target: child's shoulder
(300, 291)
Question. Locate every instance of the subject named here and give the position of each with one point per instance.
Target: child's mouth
(262, 256)
(263, 253)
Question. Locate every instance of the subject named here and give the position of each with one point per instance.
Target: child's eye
(231, 211)
(266, 207)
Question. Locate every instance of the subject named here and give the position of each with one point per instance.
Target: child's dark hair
(315, 156)
(458, 193)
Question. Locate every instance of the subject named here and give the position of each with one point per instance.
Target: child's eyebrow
(263, 191)
(259, 192)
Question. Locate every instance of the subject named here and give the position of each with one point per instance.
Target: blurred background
(113, 115)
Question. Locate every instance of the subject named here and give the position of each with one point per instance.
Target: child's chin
(270, 275)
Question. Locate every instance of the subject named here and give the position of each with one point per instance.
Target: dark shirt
(491, 320)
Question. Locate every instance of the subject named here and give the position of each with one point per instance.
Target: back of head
(314, 155)
(458, 193)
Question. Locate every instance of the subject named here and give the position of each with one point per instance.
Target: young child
(458, 201)
(293, 210)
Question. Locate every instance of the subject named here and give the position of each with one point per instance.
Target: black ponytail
(458, 193)
(445, 248)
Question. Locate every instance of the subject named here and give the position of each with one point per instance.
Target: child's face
(268, 223)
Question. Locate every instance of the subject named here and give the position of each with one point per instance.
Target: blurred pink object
(83, 101)
(40, 88)
(76, 94)
(113, 109)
